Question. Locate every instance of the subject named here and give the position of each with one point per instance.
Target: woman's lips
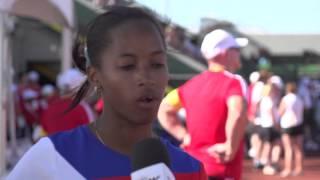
(147, 102)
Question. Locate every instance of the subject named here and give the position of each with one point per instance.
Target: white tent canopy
(49, 11)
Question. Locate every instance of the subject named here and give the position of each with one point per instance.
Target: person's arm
(275, 116)
(282, 107)
(236, 121)
(169, 120)
(235, 128)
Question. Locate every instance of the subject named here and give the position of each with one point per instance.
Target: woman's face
(133, 72)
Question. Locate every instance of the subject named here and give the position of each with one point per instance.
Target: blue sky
(271, 16)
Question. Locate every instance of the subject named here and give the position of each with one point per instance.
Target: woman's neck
(118, 133)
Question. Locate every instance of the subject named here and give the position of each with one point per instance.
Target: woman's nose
(144, 78)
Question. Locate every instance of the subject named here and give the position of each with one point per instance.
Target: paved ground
(311, 171)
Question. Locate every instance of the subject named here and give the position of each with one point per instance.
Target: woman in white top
(291, 112)
(268, 132)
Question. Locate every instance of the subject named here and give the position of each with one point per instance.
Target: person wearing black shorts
(291, 122)
(269, 133)
(293, 131)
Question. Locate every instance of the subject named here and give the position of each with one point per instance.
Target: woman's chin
(143, 120)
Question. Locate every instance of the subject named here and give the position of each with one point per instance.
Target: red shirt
(205, 99)
(54, 119)
(30, 113)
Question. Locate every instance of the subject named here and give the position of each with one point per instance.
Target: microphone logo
(151, 178)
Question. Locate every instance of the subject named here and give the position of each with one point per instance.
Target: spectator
(56, 117)
(254, 97)
(291, 111)
(269, 131)
(215, 109)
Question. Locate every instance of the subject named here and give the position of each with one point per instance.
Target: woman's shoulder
(33, 160)
(290, 97)
(42, 161)
(72, 144)
(69, 136)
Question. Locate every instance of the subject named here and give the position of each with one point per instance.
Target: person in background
(20, 119)
(57, 117)
(291, 112)
(317, 109)
(304, 91)
(33, 81)
(270, 131)
(125, 59)
(252, 105)
(254, 96)
(48, 94)
(30, 109)
(175, 37)
(215, 107)
(28, 101)
(315, 94)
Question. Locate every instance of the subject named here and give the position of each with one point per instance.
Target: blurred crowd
(43, 110)
(283, 119)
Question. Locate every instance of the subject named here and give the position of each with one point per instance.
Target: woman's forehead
(135, 26)
(136, 36)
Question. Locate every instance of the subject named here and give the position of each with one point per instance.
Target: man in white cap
(30, 109)
(216, 109)
(33, 81)
(28, 96)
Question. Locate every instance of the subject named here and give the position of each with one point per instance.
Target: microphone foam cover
(148, 152)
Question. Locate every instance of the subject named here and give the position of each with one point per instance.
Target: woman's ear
(93, 76)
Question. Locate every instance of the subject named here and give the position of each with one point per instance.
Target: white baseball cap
(216, 42)
(33, 76)
(70, 79)
(254, 77)
(276, 80)
(47, 90)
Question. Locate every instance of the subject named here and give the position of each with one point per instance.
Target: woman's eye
(158, 65)
(127, 67)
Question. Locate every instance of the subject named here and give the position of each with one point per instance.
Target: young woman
(125, 60)
(268, 132)
(291, 111)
